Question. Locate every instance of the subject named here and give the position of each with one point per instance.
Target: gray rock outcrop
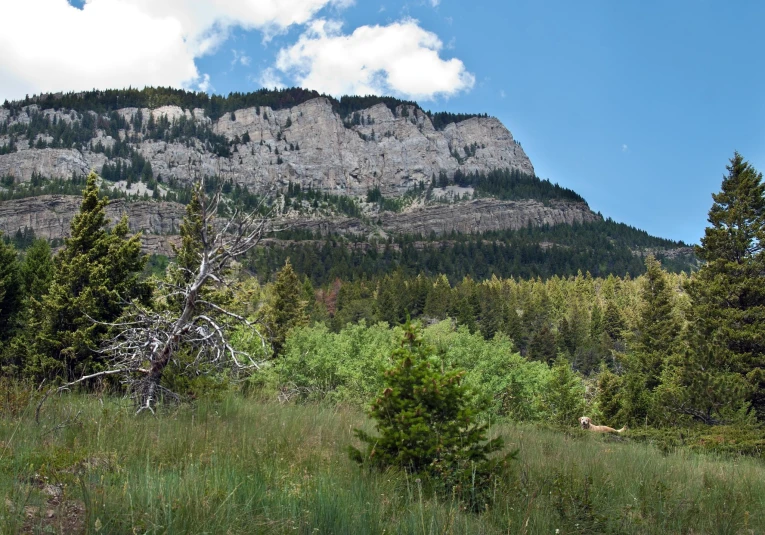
(50, 217)
(308, 144)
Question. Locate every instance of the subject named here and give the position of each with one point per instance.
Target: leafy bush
(340, 367)
(511, 383)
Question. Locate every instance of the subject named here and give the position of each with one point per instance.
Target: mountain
(357, 168)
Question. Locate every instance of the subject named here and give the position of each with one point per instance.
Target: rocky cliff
(50, 217)
(308, 144)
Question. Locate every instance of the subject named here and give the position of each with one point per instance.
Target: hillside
(353, 169)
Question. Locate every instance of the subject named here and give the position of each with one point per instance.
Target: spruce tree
(37, 270)
(286, 309)
(426, 422)
(726, 365)
(437, 302)
(95, 275)
(11, 290)
(653, 345)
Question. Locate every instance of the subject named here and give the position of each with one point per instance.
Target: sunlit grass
(242, 466)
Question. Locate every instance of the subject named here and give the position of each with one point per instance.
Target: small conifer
(428, 425)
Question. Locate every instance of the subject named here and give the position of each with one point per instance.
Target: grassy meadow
(239, 465)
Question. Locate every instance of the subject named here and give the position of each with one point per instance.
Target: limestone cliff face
(308, 144)
(50, 217)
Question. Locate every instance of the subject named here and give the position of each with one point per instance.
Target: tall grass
(241, 466)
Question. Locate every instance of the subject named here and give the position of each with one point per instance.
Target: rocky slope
(308, 144)
(349, 147)
(50, 217)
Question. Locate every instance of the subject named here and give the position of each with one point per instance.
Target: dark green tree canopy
(96, 274)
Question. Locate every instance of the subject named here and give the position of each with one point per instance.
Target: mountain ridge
(360, 167)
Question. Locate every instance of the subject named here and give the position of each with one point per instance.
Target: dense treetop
(105, 101)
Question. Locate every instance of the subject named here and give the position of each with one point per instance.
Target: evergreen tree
(563, 396)
(37, 270)
(613, 322)
(543, 345)
(437, 302)
(726, 366)
(597, 326)
(189, 255)
(658, 326)
(608, 398)
(286, 309)
(35, 274)
(11, 290)
(95, 274)
(426, 423)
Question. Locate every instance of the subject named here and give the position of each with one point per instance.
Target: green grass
(244, 466)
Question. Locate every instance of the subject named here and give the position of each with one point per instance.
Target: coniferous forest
(274, 382)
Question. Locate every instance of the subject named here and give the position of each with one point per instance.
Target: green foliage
(37, 269)
(11, 289)
(95, 274)
(726, 367)
(563, 396)
(286, 308)
(344, 367)
(600, 248)
(507, 383)
(188, 256)
(510, 184)
(427, 424)
(608, 402)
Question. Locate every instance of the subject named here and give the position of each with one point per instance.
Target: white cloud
(53, 46)
(204, 84)
(270, 79)
(435, 3)
(400, 58)
(625, 148)
(240, 57)
(502, 93)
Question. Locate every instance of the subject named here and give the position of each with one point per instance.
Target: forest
(457, 392)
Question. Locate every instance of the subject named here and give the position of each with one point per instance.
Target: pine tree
(286, 309)
(613, 323)
(563, 396)
(542, 346)
(95, 274)
(11, 290)
(37, 270)
(426, 423)
(437, 302)
(726, 365)
(189, 254)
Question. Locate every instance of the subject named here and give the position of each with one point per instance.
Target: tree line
(661, 348)
(216, 106)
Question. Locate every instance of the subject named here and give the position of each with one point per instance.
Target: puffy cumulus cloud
(400, 58)
(270, 79)
(53, 46)
(206, 22)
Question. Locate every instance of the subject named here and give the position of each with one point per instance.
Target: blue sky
(637, 106)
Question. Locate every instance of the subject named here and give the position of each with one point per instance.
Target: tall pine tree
(11, 290)
(286, 309)
(95, 275)
(726, 366)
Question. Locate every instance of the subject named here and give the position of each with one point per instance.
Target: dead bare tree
(146, 339)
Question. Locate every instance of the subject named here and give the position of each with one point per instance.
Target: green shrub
(511, 383)
(347, 367)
